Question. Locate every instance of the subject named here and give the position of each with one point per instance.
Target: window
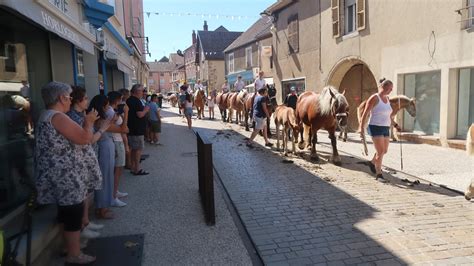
(80, 63)
(248, 56)
(293, 38)
(231, 62)
(354, 16)
(465, 101)
(350, 16)
(10, 62)
(162, 74)
(426, 88)
(286, 85)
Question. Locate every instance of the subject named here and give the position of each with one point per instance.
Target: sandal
(141, 172)
(81, 259)
(104, 214)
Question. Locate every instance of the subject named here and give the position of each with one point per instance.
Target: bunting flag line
(216, 16)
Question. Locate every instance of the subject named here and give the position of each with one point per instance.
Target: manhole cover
(188, 154)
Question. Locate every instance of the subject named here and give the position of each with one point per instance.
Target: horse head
(339, 107)
(272, 91)
(411, 107)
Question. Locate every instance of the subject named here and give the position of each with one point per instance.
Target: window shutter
(293, 42)
(360, 15)
(335, 18)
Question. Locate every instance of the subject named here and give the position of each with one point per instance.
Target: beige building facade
(425, 47)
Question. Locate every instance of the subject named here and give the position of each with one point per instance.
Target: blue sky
(168, 33)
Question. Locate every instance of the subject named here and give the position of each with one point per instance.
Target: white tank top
(380, 115)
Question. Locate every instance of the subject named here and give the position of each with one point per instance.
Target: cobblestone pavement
(298, 212)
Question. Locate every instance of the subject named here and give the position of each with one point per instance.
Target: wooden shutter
(293, 38)
(336, 28)
(361, 15)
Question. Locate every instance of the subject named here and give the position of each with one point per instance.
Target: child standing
(155, 120)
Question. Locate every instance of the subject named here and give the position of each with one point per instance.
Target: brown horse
(315, 111)
(236, 103)
(199, 102)
(222, 100)
(285, 116)
(173, 100)
(271, 104)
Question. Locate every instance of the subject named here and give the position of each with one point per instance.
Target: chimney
(194, 37)
(205, 26)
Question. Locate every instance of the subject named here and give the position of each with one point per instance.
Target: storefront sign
(266, 51)
(62, 5)
(59, 28)
(41, 11)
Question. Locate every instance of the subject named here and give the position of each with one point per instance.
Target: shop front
(298, 83)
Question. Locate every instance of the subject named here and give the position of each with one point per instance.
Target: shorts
(136, 142)
(188, 111)
(210, 104)
(71, 216)
(260, 122)
(119, 154)
(378, 131)
(155, 126)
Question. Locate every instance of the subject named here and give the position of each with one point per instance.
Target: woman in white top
(188, 109)
(378, 105)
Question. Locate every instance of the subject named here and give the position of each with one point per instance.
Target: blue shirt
(258, 106)
(76, 116)
(153, 109)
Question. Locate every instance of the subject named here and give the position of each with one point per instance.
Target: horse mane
(325, 100)
(401, 97)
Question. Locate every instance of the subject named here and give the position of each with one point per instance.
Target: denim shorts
(188, 111)
(378, 131)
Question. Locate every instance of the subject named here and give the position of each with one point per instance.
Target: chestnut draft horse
(316, 111)
(222, 100)
(236, 103)
(199, 102)
(173, 100)
(271, 105)
(285, 116)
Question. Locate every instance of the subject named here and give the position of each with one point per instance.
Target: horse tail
(359, 113)
(292, 118)
(470, 141)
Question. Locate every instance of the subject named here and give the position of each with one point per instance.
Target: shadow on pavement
(292, 215)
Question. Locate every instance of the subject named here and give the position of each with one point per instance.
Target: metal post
(206, 178)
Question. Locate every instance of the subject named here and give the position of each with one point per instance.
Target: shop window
(80, 63)
(426, 88)
(299, 84)
(465, 101)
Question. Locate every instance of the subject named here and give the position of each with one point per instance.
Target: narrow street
(309, 213)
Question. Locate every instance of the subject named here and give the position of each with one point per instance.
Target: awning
(124, 68)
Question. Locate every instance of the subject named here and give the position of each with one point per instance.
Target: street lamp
(180, 53)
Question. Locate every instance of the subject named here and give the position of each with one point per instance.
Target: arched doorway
(353, 76)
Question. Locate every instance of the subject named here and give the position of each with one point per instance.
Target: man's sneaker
(269, 144)
(121, 194)
(118, 203)
(88, 233)
(94, 226)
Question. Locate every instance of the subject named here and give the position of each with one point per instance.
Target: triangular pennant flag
(148, 14)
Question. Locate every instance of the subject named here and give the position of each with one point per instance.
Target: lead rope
(400, 140)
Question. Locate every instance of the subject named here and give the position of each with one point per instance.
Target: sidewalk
(165, 206)
(443, 166)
